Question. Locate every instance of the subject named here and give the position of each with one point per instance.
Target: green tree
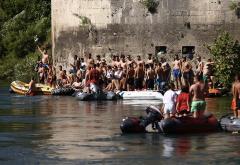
(226, 55)
(20, 22)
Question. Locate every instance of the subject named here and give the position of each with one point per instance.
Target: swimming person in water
(198, 91)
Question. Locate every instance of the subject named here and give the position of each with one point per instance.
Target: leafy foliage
(235, 6)
(20, 22)
(151, 5)
(226, 55)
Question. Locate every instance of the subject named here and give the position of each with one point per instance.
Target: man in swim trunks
(150, 77)
(159, 76)
(177, 65)
(236, 96)
(198, 91)
(130, 77)
(139, 77)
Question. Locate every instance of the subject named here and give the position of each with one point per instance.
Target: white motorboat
(141, 95)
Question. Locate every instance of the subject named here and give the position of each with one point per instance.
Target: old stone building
(108, 27)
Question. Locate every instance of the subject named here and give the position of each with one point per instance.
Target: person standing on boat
(236, 96)
(198, 91)
(183, 102)
(169, 101)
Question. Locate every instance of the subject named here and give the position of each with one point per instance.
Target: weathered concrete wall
(125, 26)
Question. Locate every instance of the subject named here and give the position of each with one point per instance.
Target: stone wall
(126, 26)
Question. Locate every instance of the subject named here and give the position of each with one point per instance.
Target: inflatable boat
(82, 96)
(229, 123)
(141, 95)
(175, 125)
(214, 92)
(68, 91)
(22, 88)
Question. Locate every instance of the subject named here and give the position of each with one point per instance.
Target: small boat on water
(82, 96)
(229, 123)
(214, 92)
(175, 125)
(141, 95)
(22, 88)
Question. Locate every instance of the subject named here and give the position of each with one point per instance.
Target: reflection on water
(61, 130)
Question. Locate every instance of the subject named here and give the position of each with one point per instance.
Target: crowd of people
(122, 73)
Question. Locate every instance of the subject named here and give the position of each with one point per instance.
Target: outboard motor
(154, 115)
(138, 125)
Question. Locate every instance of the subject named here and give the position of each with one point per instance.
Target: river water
(61, 130)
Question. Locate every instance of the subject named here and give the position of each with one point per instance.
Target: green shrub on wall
(235, 6)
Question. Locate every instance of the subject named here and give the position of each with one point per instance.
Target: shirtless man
(90, 60)
(187, 72)
(139, 61)
(129, 60)
(139, 76)
(150, 77)
(177, 65)
(77, 85)
(236, 96)
(159, 76)
(32, 87)
(74, 65)
(198, 91)
(200, 65)
(113, 61)
(150, 59)
(207, 70)
(130, 78)
(98, 60)
(118, 62)
(123, 62)
(45, 57)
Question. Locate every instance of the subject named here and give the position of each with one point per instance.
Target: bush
(151, 5)
(226, 55)
(12, 68)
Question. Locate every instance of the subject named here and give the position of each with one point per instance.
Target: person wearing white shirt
(169, 102)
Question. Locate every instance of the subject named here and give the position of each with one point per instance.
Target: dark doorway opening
(188, 51)
(160, 50)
